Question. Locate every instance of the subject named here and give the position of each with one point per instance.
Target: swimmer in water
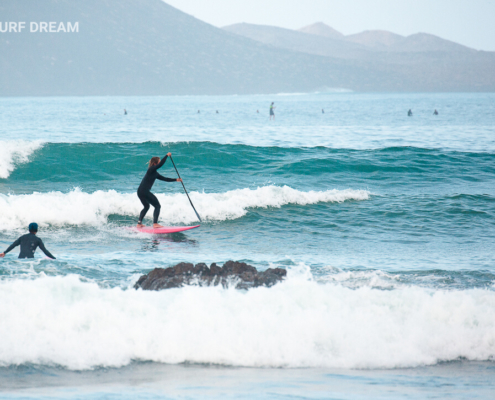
(144, 190)
(29, 243)
(272, 114)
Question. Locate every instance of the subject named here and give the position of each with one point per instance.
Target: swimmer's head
(154, 161)
(33, 227)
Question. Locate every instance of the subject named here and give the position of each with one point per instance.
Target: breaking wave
(80, 208)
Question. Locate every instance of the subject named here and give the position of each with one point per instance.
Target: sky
(468, 22)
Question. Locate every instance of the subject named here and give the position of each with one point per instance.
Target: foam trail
(15, 152)
(298, 323)
(80, 208)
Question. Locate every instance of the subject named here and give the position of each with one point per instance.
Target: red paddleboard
(165, 229)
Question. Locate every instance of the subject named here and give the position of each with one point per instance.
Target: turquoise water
(384, 222)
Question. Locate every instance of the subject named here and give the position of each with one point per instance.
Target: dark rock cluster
(240, 274)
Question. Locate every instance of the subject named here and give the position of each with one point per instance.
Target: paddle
(197, 215)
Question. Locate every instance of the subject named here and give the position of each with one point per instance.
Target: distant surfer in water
(272, 114)
(409, 113)
(144, 190)
(29, 243)
(435, 112)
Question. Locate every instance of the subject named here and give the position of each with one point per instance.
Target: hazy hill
(146, 47)
(388, 41)
(321, 29)
(426, 42)
(375, 39)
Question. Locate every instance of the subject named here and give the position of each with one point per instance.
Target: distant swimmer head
(33, 227)
(154, 161)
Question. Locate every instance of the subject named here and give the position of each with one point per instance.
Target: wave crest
(15, 152)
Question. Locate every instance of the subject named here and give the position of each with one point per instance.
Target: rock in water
(240, 274)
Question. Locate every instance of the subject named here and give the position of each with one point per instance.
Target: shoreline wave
(295, 324)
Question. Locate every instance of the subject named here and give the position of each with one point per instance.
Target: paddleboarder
(272, 113)
(144, 190)
(29, 243)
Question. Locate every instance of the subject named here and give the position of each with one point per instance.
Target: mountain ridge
(370, 39)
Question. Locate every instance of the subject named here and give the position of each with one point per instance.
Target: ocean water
(384, 222)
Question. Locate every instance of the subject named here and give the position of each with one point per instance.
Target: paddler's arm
(15, 244)
(163, 178)
(162, 161)
(44, 250)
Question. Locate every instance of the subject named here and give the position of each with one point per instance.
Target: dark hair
(154, 161)
(33, 227)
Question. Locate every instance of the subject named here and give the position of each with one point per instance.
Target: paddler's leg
(155, 203)
(146, 206)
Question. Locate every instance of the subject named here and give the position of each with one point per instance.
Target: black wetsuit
(29, 242)
(145, 194)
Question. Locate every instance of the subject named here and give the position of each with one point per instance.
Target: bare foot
(156, 226)
(140, 225)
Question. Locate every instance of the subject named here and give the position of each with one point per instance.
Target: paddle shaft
(197, 215)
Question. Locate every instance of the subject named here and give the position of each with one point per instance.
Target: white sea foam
(298, 323)
(14, 152)
(80, 208)
(356, 279)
